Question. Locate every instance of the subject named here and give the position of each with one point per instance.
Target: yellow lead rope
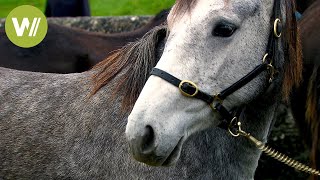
(271, 152)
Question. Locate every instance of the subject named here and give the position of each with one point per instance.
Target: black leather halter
(190, 89)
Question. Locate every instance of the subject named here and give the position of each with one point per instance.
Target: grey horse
(53, 126)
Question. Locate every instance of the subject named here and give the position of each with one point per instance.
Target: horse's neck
(236, 157)
(211, 154)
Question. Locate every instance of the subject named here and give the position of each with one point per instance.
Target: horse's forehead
(212, 5)
(246, 7)
(242, 8)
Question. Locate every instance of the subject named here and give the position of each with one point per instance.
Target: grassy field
(7, 5)
(99, 7)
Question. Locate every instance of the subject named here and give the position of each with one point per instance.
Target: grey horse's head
(212, 43)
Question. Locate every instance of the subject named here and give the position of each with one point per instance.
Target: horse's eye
(224, 30)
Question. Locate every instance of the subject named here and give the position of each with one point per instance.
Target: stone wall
(284, 137)
(101, 24)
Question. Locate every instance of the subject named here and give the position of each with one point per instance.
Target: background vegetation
(99, 7)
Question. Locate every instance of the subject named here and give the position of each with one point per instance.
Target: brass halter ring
(215, 100)
(264, 59)
(270, 67)
(189, 82)
(237, 125)
(234, 123)
(275, 28)
(272, 72)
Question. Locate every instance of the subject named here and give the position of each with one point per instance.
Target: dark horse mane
(133, 63)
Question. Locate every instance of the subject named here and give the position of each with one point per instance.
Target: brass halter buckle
(192, 87)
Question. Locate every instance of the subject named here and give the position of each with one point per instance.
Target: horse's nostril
(147, 139)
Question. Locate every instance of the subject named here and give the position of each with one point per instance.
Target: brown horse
(305, 100)
(68, 50)
(302, 5)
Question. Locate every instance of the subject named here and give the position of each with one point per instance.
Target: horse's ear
(293, 57)
(181, 7)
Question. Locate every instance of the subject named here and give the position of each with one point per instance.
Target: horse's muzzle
(143, 147)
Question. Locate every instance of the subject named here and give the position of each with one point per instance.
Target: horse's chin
(173, 157)
(154, 160)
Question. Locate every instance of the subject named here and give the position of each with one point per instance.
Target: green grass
(128, 7)
(99, 7)
(7, 5)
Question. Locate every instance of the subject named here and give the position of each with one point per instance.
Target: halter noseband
(190, 89)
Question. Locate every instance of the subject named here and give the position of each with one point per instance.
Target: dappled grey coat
(51, 129)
